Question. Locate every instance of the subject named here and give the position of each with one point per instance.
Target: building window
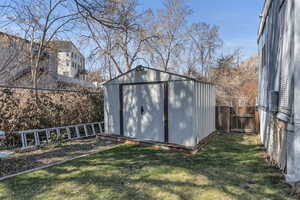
(66, 73)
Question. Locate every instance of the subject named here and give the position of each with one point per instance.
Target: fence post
(229, 120)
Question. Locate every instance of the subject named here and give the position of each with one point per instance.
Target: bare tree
(41, 21)
(200, 49)
(121, 42)
(234, 80)
(169, 28)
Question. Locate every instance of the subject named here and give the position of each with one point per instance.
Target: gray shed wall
(111, 109)
(191, 112)
(181, 113)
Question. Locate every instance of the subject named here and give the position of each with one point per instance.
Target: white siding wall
(293, 168)
(69, 64)
(279, 72)
(62, 64)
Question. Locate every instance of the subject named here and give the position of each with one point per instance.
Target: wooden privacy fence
(237, 119)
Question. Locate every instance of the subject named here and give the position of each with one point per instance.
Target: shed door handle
(142, 110)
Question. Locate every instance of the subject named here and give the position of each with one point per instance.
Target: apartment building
(61, 63)
(71, 63)
(17, 55)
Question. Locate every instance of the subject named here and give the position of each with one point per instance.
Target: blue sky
(238, 20)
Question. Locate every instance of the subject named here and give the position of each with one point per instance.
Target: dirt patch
(50, 154)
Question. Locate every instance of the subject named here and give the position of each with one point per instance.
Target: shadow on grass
(229, 166)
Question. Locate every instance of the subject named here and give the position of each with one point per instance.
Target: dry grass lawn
(230, 167)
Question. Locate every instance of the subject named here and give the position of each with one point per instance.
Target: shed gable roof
(146, 74)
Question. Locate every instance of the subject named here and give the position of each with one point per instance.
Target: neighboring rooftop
(63, 45)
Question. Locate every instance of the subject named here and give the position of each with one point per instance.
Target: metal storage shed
(150, 104)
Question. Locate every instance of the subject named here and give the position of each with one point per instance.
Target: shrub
(21, 110)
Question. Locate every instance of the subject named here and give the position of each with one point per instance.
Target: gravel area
(52, 153)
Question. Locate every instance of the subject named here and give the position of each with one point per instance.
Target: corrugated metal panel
(204, 110)
(181, 106)
(196, 111)
(200, 109)
(143, 111)
(191, 110)
(214, 107)
(111, 109)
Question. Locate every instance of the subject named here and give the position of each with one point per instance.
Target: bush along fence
(26, 117)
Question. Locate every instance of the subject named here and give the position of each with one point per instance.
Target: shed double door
(143, 111)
